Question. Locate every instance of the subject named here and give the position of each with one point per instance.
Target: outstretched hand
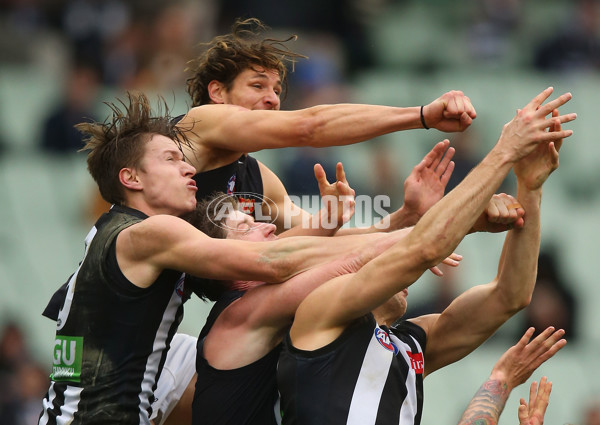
(527, 130)
(512, 369)
(533, 413)
(451, 112)
(338, 197)
(534, 169)
(518, 363)
(428, 179)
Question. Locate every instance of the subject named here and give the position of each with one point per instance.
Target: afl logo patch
(179, 287)
(384, 339)
(231, 185)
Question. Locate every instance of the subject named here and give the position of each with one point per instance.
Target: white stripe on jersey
(66, 308)
(410, 405)
(369, 386)
(67, 410)
(160, 343)
(47, 403)
(278, 408)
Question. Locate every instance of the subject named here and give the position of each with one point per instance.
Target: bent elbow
(516, 302)
(523, 302)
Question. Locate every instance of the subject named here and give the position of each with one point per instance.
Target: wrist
(500, 382)
(479, 225)
(527, 187)
(403, 217)
(502, 156)
(526, 195)
(422, 117)
(327, 221)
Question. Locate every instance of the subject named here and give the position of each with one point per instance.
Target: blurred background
(60, 60)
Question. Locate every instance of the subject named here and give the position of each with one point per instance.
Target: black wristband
(423, 119)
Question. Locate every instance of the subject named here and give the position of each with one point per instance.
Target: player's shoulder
(424, 322)
(160, 225)
(213, 108)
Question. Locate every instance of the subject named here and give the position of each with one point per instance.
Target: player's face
(242, 226)
(257, 89)
(165, 178)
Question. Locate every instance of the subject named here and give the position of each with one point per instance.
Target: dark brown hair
(226, 56)
(119, 141)
(206, 217)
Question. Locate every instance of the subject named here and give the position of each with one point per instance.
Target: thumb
(523, 413)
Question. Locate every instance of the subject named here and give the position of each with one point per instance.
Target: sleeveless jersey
(240, 178)
(112, 336)
(243, 396)
(369, 375)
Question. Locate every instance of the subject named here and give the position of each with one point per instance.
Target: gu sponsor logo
(67, 358)
(384, 339)
(416, 361)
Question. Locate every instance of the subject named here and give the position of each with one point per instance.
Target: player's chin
(190, 205)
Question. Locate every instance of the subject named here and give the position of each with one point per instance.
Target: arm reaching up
(328, 310)
(512, 369)
(453, 334)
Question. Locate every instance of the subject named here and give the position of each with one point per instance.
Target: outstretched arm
(233, 128)
(477, 313)
(253, 326)
(330, 308)
(514, 367)
(454, 334)
(162, 242)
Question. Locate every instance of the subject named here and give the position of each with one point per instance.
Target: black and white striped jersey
(111, 337)
(369, 375)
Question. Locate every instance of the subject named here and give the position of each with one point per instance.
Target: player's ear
(129, 178)
(216, 90)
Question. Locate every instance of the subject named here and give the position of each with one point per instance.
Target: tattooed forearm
(487, 404)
